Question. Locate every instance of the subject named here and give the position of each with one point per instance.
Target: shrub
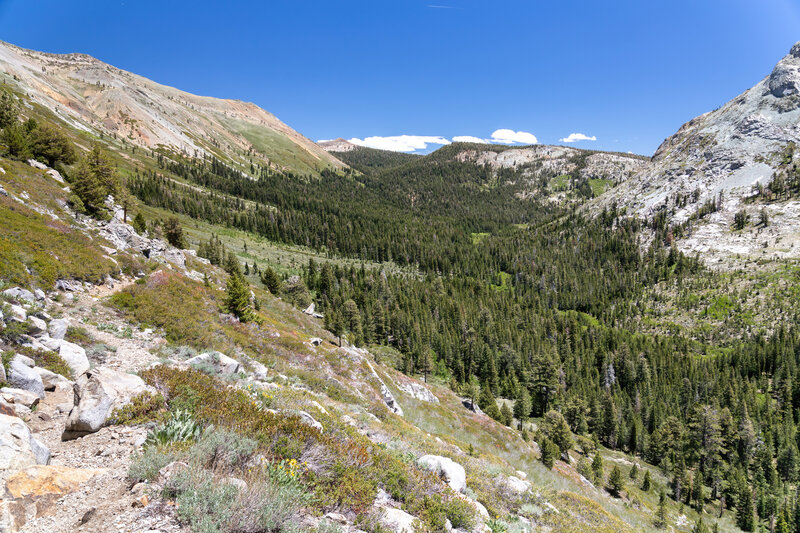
(48, 360)
(79, 335)
(145, 465)
(220, 448)
(142, 408)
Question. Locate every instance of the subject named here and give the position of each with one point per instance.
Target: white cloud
(572, 137)
(400, 143)
(468, 139)
(503, 136)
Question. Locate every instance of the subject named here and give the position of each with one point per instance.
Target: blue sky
(627, 73)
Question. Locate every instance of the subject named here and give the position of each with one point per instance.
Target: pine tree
(634, 473)
(616, 483)
(173, 232)
(522, 407)
(698, 492)
(473, 390)
(557, 429)
(661, 513)
(506, 416)
(271, 281)
(487, 402)
(646, 481)
(597, 467)
(745, 517)
(139, 224)
(8, 111)
(700, 527)
(237, 298)
(549, 451)
(425, 364)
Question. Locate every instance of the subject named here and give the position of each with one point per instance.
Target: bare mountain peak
(785, 78)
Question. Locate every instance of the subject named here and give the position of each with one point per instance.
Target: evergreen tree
(745, 516)
(473, 390)
(425, 364)
(549, 451)
(271, 280)
(646, 481)
(634, 472)
(616, 483)
(487, 402)
(661, 513)
(506, 416)
(597, 467)
(8, 111)
(700, 527)
(522, 407)
(173, 232)
(698, 492)
(139, 224)
(237, 298)
(557, 429)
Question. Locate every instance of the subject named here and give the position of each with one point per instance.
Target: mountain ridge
(94, 96)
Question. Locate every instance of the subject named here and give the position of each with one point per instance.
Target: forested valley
(526, 299)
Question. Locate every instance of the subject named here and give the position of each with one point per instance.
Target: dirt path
(104, 503)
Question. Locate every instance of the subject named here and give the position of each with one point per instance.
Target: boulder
(38, 481)
(398, 521)
(20, 397)
(25, 360)
(51, 380)
(309, 420)
(37, 326)
(97, 394)
(518, 485)
(75, 357)
(19, 295)
(36, 164)
(58, 328)
(15, 446)
(18, 314)
(2, 370)
(218, 360)
(40, 451)
(24, 377)
(67, 285)
(450, 471)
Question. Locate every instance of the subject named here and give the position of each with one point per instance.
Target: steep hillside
(93, 96)
(716, 164)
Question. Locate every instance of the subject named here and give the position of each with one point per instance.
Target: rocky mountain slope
(96, 97)
(720, 157)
